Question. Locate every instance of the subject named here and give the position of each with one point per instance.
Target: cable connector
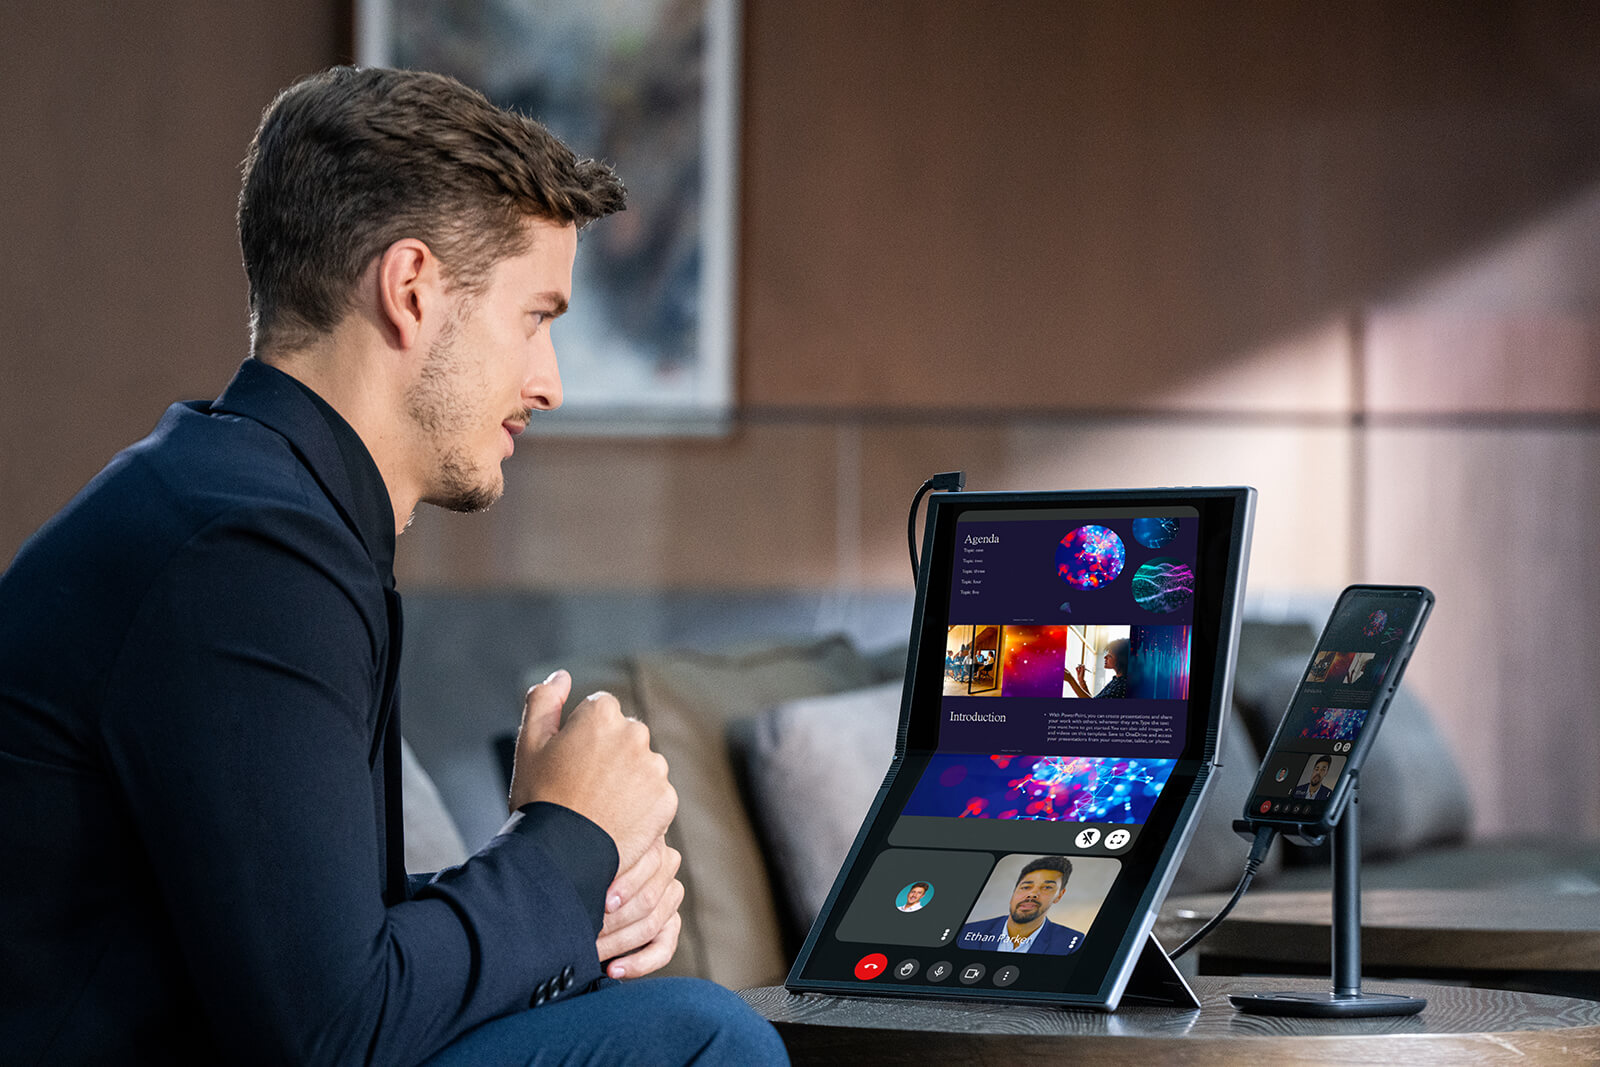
(1259, 848)
(949, 482)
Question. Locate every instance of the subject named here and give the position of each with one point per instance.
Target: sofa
(777, 713)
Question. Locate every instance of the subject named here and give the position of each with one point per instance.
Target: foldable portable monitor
(1071, 662)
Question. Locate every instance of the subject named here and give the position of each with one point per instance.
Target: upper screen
(1070, 632)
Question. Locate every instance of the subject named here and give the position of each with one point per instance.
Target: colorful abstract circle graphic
(1090, 557)
(1155, 533)
(1375, 623)
(1164, 584)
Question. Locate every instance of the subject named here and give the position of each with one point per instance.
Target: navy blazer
(1053, 940)
(199, 800)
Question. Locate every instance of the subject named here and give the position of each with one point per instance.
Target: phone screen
(1338, 704)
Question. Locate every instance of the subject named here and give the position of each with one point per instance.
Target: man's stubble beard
(437, 408)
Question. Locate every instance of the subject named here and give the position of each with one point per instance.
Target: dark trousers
(646, 1022)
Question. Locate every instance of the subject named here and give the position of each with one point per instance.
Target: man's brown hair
(348, 161)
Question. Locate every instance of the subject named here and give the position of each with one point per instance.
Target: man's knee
(716, 1024)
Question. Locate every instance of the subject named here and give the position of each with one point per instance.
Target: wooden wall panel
(1095, 206)
(124, 128)
(1500, 524)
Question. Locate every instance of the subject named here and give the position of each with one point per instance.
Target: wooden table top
(1460, 1025)
(1431, 929)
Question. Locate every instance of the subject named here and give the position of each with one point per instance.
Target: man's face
(914, 894)
(1034, 895)
(489, 368)
(1318, 772)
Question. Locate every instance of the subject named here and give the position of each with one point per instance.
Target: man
(914, 897)
(1314, 789)
(1026, 927)
(199, 731)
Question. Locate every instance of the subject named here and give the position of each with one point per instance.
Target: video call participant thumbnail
(915, 896)
(1314, 789)
(1027, 927)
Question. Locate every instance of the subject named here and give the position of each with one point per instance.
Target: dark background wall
(1346, 253)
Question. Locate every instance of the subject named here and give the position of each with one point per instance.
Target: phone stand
(1345, 1000)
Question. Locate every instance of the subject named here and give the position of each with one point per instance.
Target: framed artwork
(649, 86)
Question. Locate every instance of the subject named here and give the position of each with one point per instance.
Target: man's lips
(513, 428)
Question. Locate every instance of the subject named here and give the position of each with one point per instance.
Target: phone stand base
(1316, 1004)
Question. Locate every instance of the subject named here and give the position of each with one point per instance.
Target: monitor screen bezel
(1107, 960)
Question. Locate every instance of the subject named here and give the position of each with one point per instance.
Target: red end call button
(870, 966)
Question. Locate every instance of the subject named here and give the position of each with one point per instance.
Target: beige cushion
(731, 932)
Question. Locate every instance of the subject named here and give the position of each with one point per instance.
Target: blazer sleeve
(237, 721)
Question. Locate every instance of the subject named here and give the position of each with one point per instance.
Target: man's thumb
(541, 711)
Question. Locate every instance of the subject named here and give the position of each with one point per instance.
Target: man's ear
(410, 290)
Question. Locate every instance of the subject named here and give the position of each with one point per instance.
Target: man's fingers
(653, 956)
(635, 936)
(646, 899)
(627, 886)
(541, 711)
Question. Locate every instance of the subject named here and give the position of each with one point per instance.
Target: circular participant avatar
(914, 897)
(1155, 533)
(1164, 585)
(1090, 557)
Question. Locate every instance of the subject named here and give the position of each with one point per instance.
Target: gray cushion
(432, 840)
(814, 765)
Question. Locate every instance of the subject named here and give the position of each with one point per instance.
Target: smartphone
(1333, 718)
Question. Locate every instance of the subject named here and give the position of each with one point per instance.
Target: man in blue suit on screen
(1027, 928)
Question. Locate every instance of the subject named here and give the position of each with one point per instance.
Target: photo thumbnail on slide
(1004, 661)
(1053, 788)
(1100, 662)
(1043, 905)
(1348, 668)
(1333, 724)
(1139, 662)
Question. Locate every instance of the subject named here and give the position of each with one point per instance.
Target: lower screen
(998, 872)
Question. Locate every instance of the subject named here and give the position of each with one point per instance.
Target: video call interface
(1321, 728)
(1064, 708)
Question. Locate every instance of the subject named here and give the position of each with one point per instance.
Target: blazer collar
(329, 447)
